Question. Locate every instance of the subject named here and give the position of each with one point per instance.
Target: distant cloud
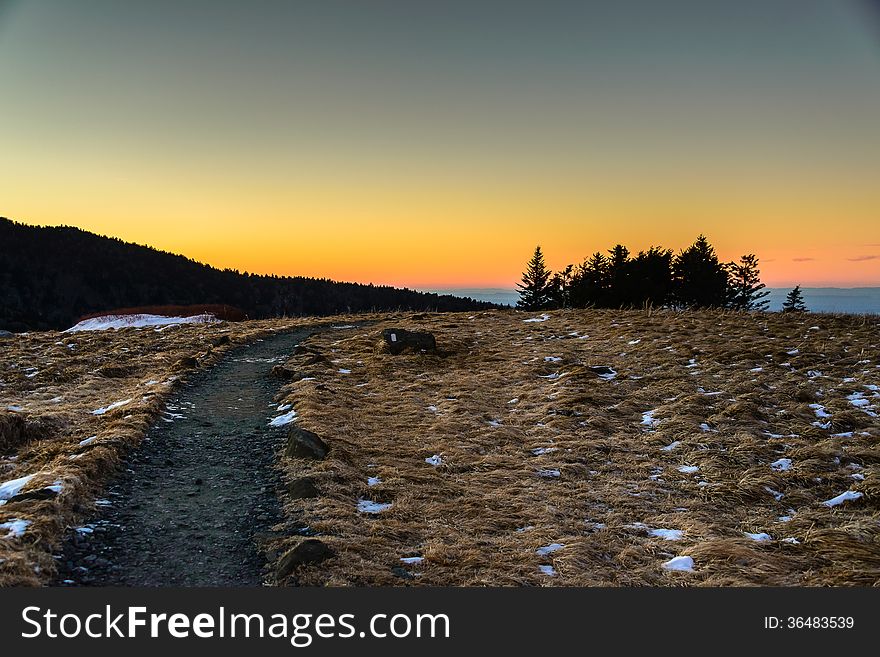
(802, 259)
(863, 258)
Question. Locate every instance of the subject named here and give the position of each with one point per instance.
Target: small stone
(302, 443)
(308, 551)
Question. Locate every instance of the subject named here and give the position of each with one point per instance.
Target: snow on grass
(681, 564)
(671, 446)
(607, 376)
(552, 376)
(344, 371)
(14, 408)
(552, 359)
(548, 473)
(538, 451)
(282, 420)
(137, 321)
(434, 460)
(369, 506)
(781, 465)
(106, 409)
(549, 549)
(820, 411)
(775, 493)
(412, 560)
(373, 481)
(847, 496)
(648, 419)
(543, 318)
(494, 423)
(14, 527)
(667, 534)
(284, 407)
(13, 487)
(636, 341)
(432, 408)
(761, 537)
(548, 570)
(87, 441)
(688, 469)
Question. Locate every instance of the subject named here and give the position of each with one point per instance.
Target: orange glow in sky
(413, 145)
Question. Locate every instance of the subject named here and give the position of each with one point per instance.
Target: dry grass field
(504, 459)
(746, 444)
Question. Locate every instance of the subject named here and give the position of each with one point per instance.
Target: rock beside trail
(399, 340)
(308, 551)
(186, 363)
(285, 374)
(302, 443)
(302, 488)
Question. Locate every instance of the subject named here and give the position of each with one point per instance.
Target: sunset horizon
(436, 146)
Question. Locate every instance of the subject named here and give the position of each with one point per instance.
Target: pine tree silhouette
(701, 281)
(535, 291)
(746, 291)
(794, 301)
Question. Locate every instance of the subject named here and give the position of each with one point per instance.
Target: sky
(434, 144)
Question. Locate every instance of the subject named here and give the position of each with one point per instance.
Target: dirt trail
(198, 492)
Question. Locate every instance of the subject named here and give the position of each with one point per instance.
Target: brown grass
(55, 381)
(479, 517)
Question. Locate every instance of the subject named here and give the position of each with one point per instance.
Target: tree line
(52, 276)
(657, 277)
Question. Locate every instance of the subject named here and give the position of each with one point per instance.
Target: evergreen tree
(650, 277)
(701, 281)
(746, 291)
(794, 301)
(535, 291)
(620, 294)
(561, 287)
(591, 282)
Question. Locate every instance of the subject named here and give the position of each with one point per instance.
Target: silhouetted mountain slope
(49, 277)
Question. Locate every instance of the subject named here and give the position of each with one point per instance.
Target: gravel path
(201, 488)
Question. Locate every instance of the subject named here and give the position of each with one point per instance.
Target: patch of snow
(550, 571)
(344, 371)
(14, 408)
(636, 341)
(688, 469)
(13, 487)
(514, 400)
(791, 540)
(775, 493)
(667, 534)
(106, 409)
(781, 465)
(137, 321)
(757, 369)
(373, 481)
(671, 446)
(682, 564)
(412, 560)
(548, 473)
(847, 496)
(434, 460)
(549, 549)
(648, 419)
(494, 423)
(552, 359)
(281, 420)
(761, 537)
(432, 408)
(369, 506)
(15, 527)
(538, 451)
(284, 407)
(820, 411)
(543, 318)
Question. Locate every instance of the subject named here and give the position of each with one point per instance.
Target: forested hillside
(51, 276)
